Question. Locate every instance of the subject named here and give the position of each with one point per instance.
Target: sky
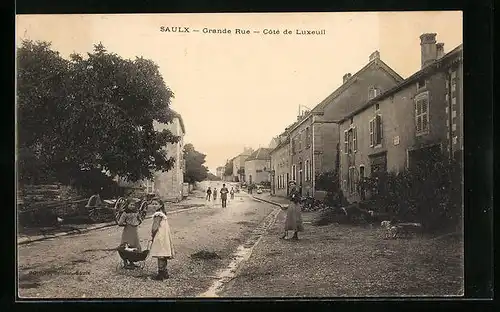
(241, 90)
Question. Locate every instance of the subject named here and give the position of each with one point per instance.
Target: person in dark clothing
(215, 194)
(209, 193)
(223, 195)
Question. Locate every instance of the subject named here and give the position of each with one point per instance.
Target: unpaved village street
(86, 266)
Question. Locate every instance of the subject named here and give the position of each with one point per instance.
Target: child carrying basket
(130, 214)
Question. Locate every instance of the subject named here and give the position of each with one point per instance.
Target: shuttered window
(372, 130)
(422, 116)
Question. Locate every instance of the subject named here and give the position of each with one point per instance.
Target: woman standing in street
(293, 220)
(130, 217)
(162, 247)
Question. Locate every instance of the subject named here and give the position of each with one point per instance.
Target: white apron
(162, 243)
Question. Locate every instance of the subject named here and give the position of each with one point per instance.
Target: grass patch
(205, 255)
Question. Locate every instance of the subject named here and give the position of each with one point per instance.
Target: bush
(429, 195)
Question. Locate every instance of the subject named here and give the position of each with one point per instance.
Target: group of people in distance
(223, 194)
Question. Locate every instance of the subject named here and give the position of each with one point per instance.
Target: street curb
(27, 240)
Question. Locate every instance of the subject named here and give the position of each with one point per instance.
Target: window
(293, 146)
(377, 107)
(150, 186)
(308, 139)
(421, 115)
(420, 84)
(351, 177)
(373, 92)
(376, 131)
(294, 169)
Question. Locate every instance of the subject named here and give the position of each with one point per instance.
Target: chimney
(346, 77)
(375, 55)
(428, 48)
(439, 50)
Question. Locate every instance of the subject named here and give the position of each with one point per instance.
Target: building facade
(280, 165)
(257, 166)
(169, 185)
(315, 140)
(239, 164)
(414, 123)
(219, 172)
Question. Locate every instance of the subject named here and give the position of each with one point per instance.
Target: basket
(133, 256)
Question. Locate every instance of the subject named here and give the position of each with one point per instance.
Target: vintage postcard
(239, 155)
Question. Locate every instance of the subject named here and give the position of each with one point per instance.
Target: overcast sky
(236, 90)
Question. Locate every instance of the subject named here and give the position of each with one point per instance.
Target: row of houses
(376, 121)
(251, 166)
(168, 185)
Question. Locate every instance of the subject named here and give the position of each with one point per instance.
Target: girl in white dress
(162, 247)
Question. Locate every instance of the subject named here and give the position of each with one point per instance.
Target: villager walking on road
(162, 247)
(293, 220)
(223, 195)
(129, 216)
(232, 192)
(215, 194)
(209, 193)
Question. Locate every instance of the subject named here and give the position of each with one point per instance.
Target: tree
(228, 168)
(91, 113)
(212, 177)
(195, 170)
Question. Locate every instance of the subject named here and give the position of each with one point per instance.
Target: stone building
(412, 123)
(169, 185)
(280, 165)
(239, 163)
(314, 139)
(219, 172)
(257, 166)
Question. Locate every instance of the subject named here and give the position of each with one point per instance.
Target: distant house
(314, 139)
(280, 165)
(220, 172)
(412, 123)
(239, 164)
(257, 166)
(167, 185)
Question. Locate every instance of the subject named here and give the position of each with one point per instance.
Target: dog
(401, 230)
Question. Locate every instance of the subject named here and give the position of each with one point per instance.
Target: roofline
(178, 116)
(422, 72)
(344, 86)
(352, 80)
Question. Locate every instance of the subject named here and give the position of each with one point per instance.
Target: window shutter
(379, 129)
(371, 132)
(346, 142)
(354, 139)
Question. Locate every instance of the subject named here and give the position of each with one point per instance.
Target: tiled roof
(318, 109)
(260, 154)
(455, 53)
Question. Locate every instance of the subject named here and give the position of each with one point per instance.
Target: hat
(292, 181)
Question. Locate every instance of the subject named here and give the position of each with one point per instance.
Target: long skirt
(130, 236)
(294, 218)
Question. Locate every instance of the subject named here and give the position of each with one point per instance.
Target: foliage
(228, 168)
(87, 114)
(195, 170)
(430, 195)
(212, 177)
(265, 184)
